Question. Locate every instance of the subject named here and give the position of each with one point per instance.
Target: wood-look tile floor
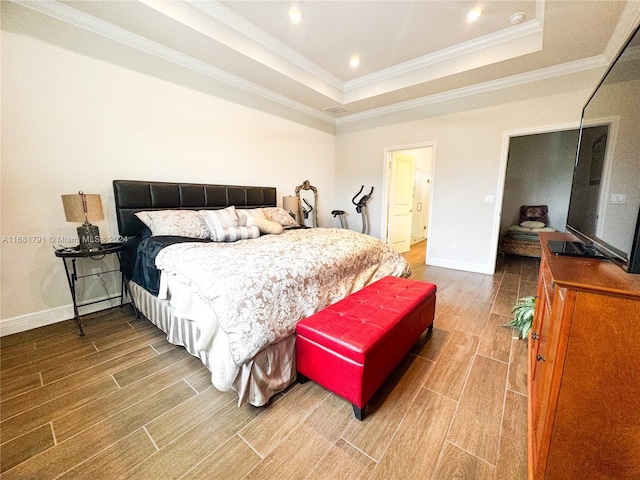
(121, 402)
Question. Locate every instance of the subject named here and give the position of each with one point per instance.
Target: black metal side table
(71, 254)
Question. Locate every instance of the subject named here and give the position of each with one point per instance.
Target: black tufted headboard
(132, 196)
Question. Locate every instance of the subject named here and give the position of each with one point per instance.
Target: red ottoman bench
(352, 346)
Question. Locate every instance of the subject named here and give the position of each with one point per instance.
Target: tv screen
(605, 196)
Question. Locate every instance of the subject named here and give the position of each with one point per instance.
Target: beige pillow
(251, 212)
(264, 225)
(532, 224)
(180, 223)
(279, 215)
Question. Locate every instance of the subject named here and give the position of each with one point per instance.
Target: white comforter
(257, 290)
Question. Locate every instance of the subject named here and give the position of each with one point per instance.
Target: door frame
(504, 159)
(386, 167)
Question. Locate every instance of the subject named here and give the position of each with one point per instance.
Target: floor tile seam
(491, 358)
(360, 450)
(51, 383)
(55, 443)
(205, 419)
(404, 416)
(95, 454)
(262, 457)
(24, 349)
(483, 460)
(517, 392)
(93, 365)
(144, 427)
(504, 405)
(137, 332)
(464, 386)
(52, 419)
(103, 325)
(114, 414)
(44, 360)
(291, 430)
(141, 378)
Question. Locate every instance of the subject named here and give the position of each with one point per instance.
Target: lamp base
(89, 237)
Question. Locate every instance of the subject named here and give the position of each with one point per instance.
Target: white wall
(470, 161)
(71, 122)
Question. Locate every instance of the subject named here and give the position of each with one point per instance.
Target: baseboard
(21, 323)
(467, 267)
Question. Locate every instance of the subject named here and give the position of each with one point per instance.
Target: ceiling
(408, 50)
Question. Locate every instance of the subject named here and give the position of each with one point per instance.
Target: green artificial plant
(523, 315)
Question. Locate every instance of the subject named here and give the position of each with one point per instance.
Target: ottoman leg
(359, 412)
(302, 378)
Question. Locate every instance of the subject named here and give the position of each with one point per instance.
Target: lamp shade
(82, 207)
(290, 203)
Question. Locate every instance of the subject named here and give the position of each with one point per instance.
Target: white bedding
(249, 294)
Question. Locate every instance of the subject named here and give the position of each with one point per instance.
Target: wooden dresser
(584, 370)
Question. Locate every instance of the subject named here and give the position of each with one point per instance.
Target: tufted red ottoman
(352, 346)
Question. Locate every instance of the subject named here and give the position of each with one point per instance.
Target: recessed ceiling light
(517, 18)
(354, 61)
(295, 15)
(474, 14)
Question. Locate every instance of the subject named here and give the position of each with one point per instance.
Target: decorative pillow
(536, 213)
(518, 228)
(233, 234)
(264, 225)
(532, 224)
(225, 218)
(279, 215)
(181, 223)
(251, 212)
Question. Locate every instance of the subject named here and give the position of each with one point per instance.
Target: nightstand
(70, 255)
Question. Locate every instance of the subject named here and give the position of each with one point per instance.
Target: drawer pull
(540, 358)
(534, 336)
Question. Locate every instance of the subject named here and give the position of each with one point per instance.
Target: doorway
(409, 174)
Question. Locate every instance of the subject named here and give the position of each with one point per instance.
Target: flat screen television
(604, 207)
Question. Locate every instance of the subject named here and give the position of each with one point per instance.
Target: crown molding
(499, 46)
(599, 61)
(100, 27)
(79, 19)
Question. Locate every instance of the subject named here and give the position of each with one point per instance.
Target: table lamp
(85, 208)
(292, 205)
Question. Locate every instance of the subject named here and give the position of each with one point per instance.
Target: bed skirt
(272, 369)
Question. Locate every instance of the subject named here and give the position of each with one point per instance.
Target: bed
(523, 238)
(234, 302)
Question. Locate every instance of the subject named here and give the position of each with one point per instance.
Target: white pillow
(251, 212)
(233, 234)
(279, 215)
(225, 218)
(180, 223)
(264, 225)
(532, 224)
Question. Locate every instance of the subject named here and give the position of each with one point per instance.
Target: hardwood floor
(122, 402)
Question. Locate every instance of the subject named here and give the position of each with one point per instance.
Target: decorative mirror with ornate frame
(308, 195)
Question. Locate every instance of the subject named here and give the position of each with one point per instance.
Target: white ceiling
(409, 50)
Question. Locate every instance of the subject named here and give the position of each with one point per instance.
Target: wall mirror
(308, 195)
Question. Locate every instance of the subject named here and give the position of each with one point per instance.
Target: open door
(400, 202)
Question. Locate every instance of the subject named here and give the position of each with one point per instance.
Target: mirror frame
(307, 186)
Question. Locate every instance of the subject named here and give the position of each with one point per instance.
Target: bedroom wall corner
(74, 122)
